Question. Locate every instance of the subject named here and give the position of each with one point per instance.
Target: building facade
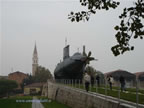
(140, 79)
(33, 89)
(34, 61)
(18, 77)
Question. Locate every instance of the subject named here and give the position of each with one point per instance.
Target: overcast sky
(46, 21)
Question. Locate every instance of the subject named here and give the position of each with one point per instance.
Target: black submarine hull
(70, 69)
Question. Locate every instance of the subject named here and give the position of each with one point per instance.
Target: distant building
(140, 77)
(34, 88)
(35, 61)
(18, 77)
(129, 77)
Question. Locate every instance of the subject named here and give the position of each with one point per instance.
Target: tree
(90, 70)
(94, 73)
(131, 25)
(42, 74)
(7, 86)
(27, 81)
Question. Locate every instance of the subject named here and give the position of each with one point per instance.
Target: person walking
(110, 80)
(92, 80)
(122, 81)
(87, 80)
(98, 80)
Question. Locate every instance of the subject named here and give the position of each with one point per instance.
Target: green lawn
(130, 96)
(52, 104)
(16, 102)
(22, 102)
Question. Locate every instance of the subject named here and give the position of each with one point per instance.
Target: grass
(52, 104)
(15, 102)
(130, 96)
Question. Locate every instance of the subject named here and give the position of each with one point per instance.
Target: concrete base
(76, 98)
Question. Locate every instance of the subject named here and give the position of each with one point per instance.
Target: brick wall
(18, 77)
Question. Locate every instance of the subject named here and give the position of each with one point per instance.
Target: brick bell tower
(35, 61)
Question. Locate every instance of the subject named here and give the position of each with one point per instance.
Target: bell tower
(35, 61)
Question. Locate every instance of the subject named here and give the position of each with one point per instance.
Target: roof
(117, 73)
(17, 72)
(35, 85)
(109, 73)
(139, 74)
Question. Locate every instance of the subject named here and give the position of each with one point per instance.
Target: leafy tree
(7, 86)
(131, 25)
(90, 70)
(27, 81)
(42, 74)
(93, 73)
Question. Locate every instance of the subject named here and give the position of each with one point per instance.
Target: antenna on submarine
(66, 41)
(78, 49)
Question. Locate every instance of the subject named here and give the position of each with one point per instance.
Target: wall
(80, 99)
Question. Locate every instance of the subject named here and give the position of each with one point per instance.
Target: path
(36, 103)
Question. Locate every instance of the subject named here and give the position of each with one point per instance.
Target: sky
(24, 22)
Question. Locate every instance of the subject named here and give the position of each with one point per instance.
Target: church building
(34, 61)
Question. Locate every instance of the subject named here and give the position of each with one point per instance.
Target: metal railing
(116, 93)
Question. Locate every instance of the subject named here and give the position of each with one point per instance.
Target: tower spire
(35, 49)
(35, 60)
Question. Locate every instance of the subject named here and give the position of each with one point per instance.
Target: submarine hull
(72, 67)
(71, 70)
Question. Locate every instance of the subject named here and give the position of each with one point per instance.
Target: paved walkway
(36, 103)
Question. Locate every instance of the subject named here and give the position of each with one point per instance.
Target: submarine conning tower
(66, 52)
(84, 53)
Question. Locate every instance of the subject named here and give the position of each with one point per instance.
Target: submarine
(72, 67)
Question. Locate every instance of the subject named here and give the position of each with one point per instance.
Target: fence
(132, 94)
